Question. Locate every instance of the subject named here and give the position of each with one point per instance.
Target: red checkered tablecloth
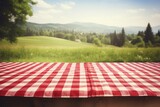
(79, 80)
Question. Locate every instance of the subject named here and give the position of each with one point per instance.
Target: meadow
(49, 49)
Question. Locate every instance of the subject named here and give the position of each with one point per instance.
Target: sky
(120, 13)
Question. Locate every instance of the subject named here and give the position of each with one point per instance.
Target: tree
(114, 39)
(90, 38)
(106, 41)
(158, 34)
(149, 37)
(138, 41)
(97, 42)
(118, 39)
(13, 15)
(157, 39)
(59, 35)
(83, 38)
(72, 38)
(141, 34)
(123, 36)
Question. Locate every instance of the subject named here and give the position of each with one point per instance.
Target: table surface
(79, 80)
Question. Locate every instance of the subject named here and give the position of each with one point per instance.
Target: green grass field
(49, 49)
(44, 42)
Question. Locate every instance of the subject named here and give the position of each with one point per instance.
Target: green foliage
(114, 39)
(104, 39)
(148, 44)
(118, 39)
(141, 44)
(157, 41)
(59, 35)
(128, 44)
(13, 15)
(158, 34)
(72, 38)
(97, 42)
(138, 41)
(83, 39)
(141, 34)
(130, 37)
(89, 38)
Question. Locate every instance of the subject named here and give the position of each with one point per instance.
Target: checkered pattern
(79, 80)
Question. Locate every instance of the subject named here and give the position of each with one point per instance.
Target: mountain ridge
(88, 27)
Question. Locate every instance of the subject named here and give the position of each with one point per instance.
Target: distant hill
(90, 27)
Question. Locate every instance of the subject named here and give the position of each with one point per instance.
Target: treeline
(141, 39)
(95, 38)
(146, 38)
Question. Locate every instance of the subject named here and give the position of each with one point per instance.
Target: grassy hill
(46, 42)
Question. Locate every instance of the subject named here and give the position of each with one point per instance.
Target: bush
(149, 44)
(97, 42)
(138, 41)
(59, 35)
(157, 44)
(128, 44)
(72, 38)
(141, 44)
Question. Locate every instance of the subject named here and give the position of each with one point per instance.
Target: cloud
(67, 6)
(42, 4)
(156, 15)
(66, 11)
(154, 19)
(136, 10)
(45, 12)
